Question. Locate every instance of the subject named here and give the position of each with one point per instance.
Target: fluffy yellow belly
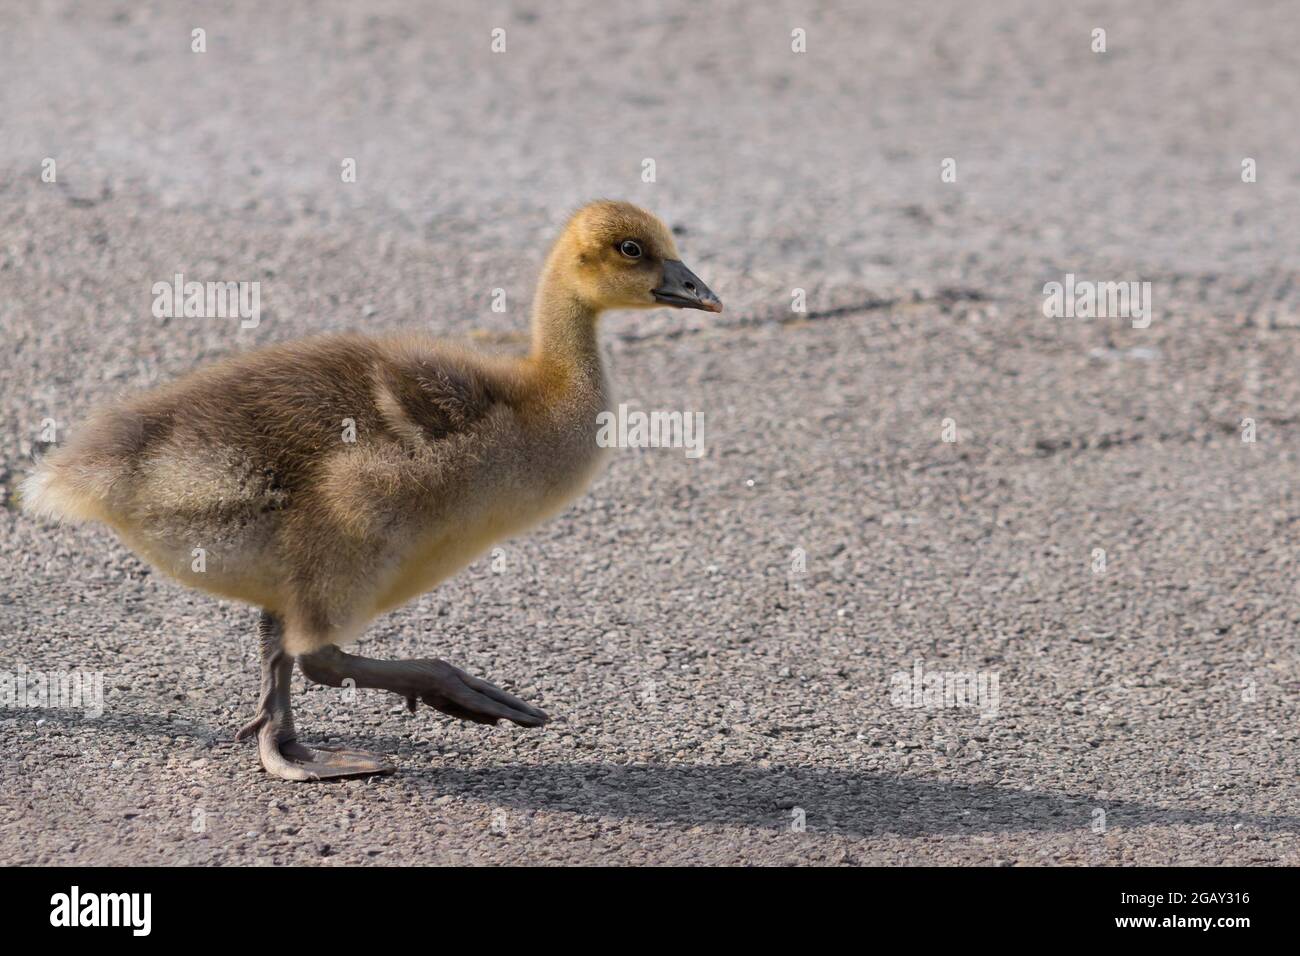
(238, 580)
(429, 565)
(444, 552)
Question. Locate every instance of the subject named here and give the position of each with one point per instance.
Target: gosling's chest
(513, 488)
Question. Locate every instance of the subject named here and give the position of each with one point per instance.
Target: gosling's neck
(564, 332)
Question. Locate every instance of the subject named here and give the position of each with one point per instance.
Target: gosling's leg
(441, 686)
(277, 742)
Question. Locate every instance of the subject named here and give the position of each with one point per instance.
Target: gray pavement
(712, 703)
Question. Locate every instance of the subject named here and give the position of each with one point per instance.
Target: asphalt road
(712, 703)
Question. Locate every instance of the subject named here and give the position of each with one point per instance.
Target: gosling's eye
(630, 249)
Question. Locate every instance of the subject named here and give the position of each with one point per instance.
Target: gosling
(333, 479)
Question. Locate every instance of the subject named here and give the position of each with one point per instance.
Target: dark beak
(682, 288)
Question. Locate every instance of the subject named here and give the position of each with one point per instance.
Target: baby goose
(330, 480)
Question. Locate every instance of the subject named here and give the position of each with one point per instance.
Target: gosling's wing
(440, 421)
(425, 393)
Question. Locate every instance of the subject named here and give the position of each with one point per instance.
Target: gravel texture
(707, 696)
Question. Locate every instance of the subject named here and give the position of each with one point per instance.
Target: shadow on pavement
(846, 802)
(834, 801)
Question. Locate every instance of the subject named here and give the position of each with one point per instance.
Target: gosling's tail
(49, 494)
(34, 497)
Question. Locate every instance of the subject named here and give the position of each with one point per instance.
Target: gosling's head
(617, 256)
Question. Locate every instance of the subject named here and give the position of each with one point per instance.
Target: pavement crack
(945, 297)
(1046, 447)
(840, 311)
